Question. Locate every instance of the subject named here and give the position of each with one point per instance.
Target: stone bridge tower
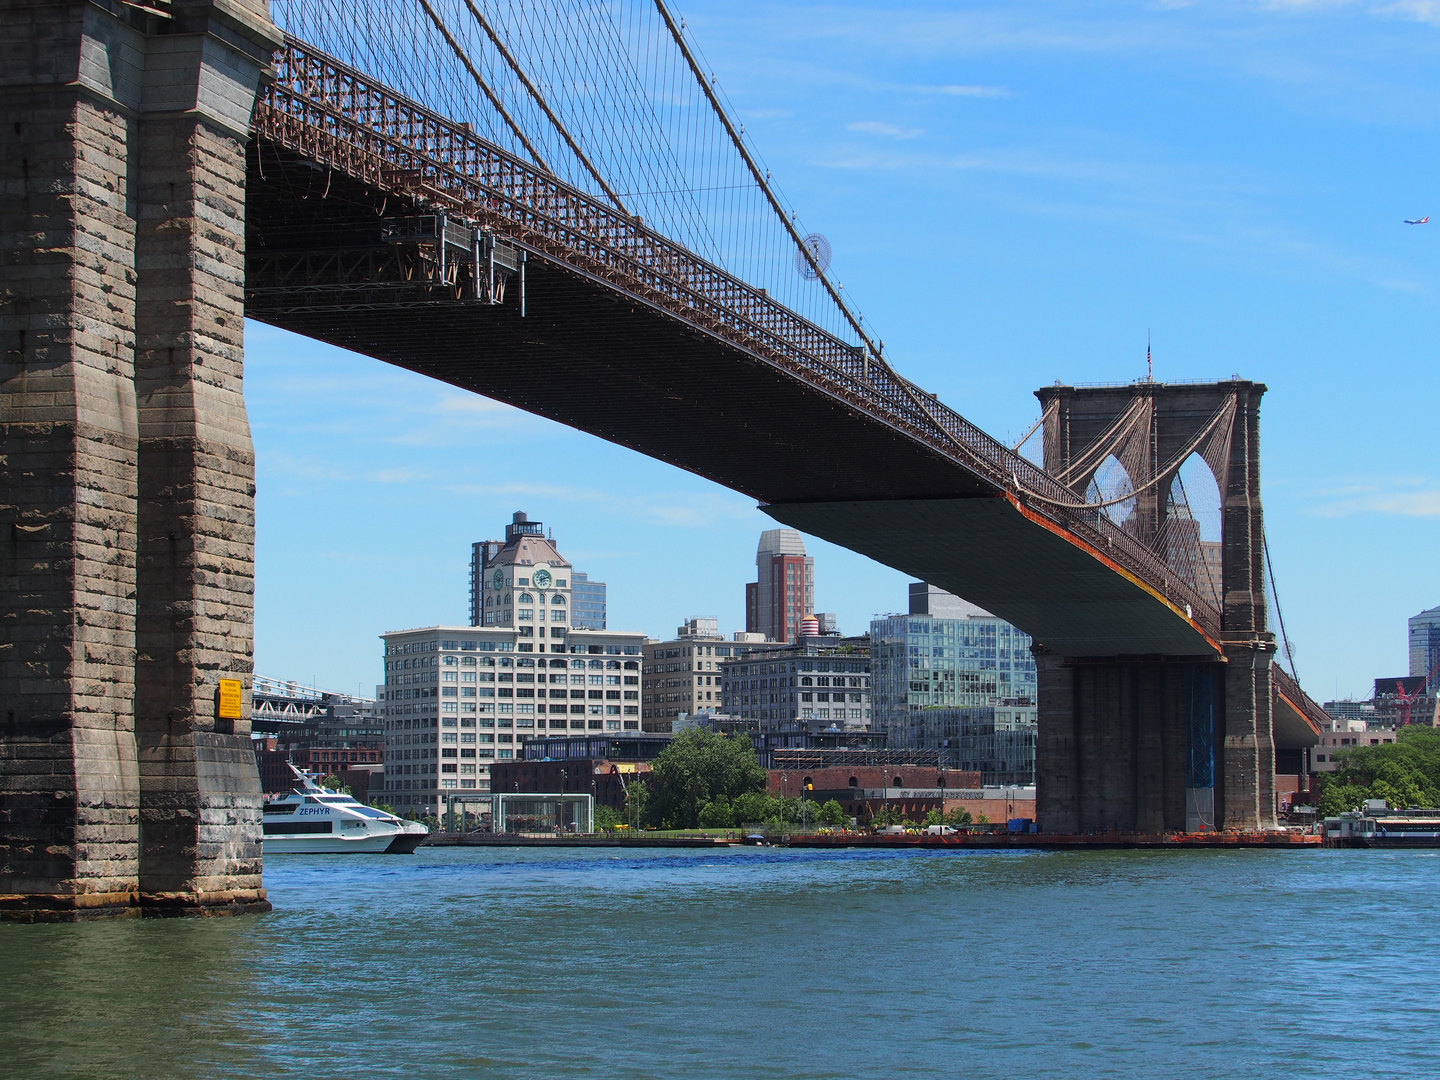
(127, 514)
(1159, 743)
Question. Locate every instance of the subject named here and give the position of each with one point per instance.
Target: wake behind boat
(314, 820)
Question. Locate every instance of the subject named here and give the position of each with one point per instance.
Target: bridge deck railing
(336, 116)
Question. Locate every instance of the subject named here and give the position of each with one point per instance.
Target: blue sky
(1014, 193)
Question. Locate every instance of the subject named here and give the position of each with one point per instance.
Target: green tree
(607, 818)
(753, 808)
(716, 814)
(832, 813)
(700, 767)
(886, 815)
(334, 783)
(1403, 773)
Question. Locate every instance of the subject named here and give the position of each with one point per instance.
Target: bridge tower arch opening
(1194, 527)
(1112, 490)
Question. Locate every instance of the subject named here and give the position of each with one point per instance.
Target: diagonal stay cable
(1160, 474)
(1044, 414)
(906, 388)
(484, 86)
(534, 92)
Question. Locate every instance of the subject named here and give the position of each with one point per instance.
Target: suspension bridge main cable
(758, 175)
(1279, 614)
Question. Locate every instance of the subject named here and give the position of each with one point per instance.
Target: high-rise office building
(783, 592)
(587, 602)
(1425, 646)
(481, 554)
(964, 658)
(525, 584)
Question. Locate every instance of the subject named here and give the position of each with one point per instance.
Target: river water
(755, 963)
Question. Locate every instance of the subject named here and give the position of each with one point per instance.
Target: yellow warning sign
(229, 699)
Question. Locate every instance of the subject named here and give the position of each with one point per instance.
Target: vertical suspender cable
(756, 173)
(544, 106)
(484, 86)
(1279, 615)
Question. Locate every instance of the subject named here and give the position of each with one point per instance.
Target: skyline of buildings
(946, 677)
(455, 699)
(682, 675)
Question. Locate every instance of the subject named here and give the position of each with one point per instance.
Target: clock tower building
(524, 584)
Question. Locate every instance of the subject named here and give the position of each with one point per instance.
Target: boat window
(371, 812)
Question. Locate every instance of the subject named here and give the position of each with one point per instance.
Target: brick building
(355, 766)
(600, 777)
(862, 790)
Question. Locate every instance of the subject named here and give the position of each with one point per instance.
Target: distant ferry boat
(1380, 827)
(314, 820)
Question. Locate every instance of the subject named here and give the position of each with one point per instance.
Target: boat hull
(374, 843)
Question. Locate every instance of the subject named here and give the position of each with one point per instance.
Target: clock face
(542, 579)
(498, 580)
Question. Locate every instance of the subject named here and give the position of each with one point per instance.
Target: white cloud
(1404, 497)
(966, 91)
(1425, 11)
(884, 131)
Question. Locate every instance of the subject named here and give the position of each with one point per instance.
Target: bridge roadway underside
(585, 354)
(592, 357)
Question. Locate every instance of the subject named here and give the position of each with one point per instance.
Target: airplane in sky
(1417, 221)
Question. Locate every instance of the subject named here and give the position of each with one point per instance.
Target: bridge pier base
(1248, 748)
(1131, 746)
(128, 514)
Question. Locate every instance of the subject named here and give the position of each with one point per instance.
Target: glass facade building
(1425, 646)
(587, 610)
(921, 662)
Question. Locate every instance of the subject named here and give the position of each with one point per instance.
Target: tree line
(1404, 773)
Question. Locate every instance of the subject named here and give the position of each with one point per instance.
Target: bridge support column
(1125, 746)
(1057, 793)
(122, 170)
(69, 794)
(1249, 743)
(199, 791)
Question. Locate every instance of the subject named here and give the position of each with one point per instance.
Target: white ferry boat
(314, 820)
(1377, 826)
